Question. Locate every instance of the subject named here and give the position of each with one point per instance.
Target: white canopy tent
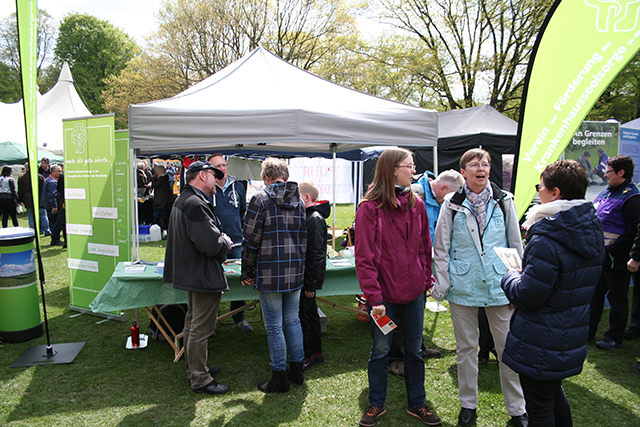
(61, 102)
(263, 104)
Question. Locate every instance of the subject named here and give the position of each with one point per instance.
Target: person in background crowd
(633, 331)
(315, 266)
(61, 220)
(393, 264)
(49, 201)
(433, 192)
(585, 162)
(145, 207)
(230, 204)
(273, 256)
(474, 220)
(8, 198)
(44, 169)
(601, 168)
(193, 262)
(162, 196)
(618, 207)
(25, 196)
(547, 341)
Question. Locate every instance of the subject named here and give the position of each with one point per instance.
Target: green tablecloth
(133, 290)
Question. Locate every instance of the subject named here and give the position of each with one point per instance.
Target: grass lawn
(108, 385)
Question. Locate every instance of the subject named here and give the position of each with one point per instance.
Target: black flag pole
(40, 354)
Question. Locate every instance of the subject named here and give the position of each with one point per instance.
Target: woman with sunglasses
(562, 262)
(393, 264)
(474, 220)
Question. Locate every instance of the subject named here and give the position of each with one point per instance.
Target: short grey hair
(141, 165)
(452, 178)
(55, 168)
(274, 168)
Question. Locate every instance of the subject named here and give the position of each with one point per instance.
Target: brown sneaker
(396, 368)
(370, 417)
(426, 416)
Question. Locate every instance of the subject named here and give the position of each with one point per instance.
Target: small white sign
(106, 213)
(108, 250)
(83, 264)
(80, 229)
(75, 194)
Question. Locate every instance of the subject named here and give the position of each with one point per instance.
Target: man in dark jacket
(230, 204)
(49, 201)
(193, 262)
(315, 266)
(618, 207)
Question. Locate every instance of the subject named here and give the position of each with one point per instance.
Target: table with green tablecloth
(127, 290)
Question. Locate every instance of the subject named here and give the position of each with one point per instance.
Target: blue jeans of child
(411, 317)
(281, 320)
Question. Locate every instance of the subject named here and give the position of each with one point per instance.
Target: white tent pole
(134, 221)
(334, 148)
(435, 160)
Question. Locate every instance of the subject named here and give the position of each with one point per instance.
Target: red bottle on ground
(135, 335)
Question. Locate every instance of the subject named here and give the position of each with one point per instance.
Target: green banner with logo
(97, 203)
(27, 15)
(581, 47)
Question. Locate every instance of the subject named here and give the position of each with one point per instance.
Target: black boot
(279, 383)
(296, 372)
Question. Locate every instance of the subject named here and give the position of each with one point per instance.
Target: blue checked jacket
(275, 239)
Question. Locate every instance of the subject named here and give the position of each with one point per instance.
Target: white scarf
(536, 213)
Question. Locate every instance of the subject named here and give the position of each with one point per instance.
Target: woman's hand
(632, 265)
(379, 309)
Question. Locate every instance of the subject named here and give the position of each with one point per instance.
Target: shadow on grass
(597, 410)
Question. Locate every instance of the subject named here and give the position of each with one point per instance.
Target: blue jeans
(280, 312)
(44, 222)
(411, 317)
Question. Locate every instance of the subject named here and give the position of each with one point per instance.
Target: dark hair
(383, 187)
(587, 154)
(567, 176)
(6, 171)
(474, 153)
(622, 162)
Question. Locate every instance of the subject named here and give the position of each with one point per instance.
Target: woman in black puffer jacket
(561, 264)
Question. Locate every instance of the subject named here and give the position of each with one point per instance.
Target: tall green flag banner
(97, 205)
(27, 15)
(581, 47)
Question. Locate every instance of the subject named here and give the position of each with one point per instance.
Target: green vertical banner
(581, 48)
(27, 16)
(97, 202)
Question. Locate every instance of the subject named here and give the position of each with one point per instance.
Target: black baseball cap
(199, 165)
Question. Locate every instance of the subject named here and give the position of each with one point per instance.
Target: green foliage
(95, 50)
(10, 87)
(108, 385)
(621, 100)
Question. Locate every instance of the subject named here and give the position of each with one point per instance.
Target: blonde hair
(308, 187)
(382, 188)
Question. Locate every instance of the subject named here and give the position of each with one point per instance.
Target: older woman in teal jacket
(474, 220)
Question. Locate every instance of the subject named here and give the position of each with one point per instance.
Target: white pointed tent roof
(61, 102)
(261, 103)
(475, 120)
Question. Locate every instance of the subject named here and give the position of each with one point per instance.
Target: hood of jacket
(573, 228)
(284, 194)
(323, 207)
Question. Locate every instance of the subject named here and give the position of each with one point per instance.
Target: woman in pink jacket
(393, 263)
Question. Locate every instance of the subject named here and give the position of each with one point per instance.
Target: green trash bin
(19, 302)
